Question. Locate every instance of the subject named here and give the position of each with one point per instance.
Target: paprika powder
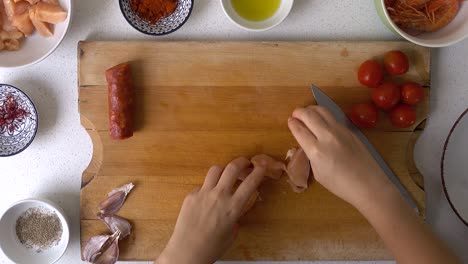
(154, 10)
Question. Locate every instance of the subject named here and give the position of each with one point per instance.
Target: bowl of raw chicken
(30, 30)
(429, 23)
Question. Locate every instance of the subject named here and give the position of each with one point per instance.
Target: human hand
(207, 223)
(339, 160)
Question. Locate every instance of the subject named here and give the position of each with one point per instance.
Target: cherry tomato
(364, 115)
(386, 96)
(396, 62)
(412, 93)
(370, 74)
(403, 116)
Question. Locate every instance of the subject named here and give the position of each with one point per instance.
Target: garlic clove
(115, 200)
(126, 189)
(93, 248)
(274, 168)
(116, 223)
(298, 169)
(98, 246)
(111, 254)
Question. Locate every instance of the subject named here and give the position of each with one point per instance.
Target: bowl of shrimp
(429, 23)
(30, 30)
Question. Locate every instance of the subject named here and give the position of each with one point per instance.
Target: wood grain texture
(206, 103)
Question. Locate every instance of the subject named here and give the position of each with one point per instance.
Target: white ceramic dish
(12, 247)
(276, 19)
(455, 168)
(35, 48)
(451, 34)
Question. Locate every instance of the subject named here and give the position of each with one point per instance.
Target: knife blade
(325, 101)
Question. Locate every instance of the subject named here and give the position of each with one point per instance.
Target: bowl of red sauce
(18, 121)
(156, 17)
(429, 23)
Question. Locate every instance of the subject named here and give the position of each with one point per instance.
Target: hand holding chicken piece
(207, 223)
(274, 168)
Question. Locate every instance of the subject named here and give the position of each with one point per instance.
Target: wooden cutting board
(206, 103)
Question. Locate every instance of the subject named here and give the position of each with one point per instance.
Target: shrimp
(431, 16)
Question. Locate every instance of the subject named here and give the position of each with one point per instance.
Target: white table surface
(51, 167)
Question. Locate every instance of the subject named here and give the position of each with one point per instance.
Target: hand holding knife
(326, 102)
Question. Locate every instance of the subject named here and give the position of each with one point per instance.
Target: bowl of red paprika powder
(156, 17)
(18, 121)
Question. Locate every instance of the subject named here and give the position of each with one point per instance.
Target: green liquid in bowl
(256, 10)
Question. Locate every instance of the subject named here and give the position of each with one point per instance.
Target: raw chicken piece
(6, 23)
(11, 44)
(43, 28)
(23, 23)
(298, 169)
(9, 7)
(52, 2)
(274, 168)
(49, 13)
(12, 8)
(21, 7)
(4, 35)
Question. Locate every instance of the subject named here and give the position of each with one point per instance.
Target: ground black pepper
(39, 229)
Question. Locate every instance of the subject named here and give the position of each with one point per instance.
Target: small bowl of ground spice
(34, 231)
(156, 17)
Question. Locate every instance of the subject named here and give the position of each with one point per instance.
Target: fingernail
(290, 119)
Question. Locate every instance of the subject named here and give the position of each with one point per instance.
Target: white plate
(12, 247)
(35, 48)
(455, 167)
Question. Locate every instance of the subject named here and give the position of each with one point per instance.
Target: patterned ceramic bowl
(164, 26)
(18, 121)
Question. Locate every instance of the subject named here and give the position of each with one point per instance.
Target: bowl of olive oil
(257, 15)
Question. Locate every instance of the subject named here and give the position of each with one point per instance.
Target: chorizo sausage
(121, 101)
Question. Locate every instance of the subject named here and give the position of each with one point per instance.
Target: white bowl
(12, 247)
(454, 32)
(35, 48)
(276, 19)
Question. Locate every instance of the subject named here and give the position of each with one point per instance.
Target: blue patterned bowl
(164, 26)
(17, 131)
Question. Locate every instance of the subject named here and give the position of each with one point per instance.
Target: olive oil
(256, 10)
